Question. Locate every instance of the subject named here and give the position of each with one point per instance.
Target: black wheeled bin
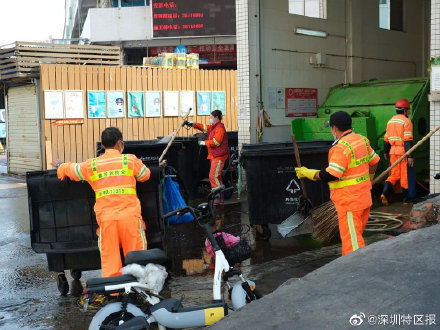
(272, 185)
(63, 223)
(180, 156)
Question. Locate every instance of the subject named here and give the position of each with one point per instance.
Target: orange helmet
(402, 104)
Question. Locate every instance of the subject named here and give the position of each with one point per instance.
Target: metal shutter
(24, 148)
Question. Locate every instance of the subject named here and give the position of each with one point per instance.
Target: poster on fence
(116, 104)
(153, 102)
(136, 104)
(74, 104)
(171, 103)
(96, 104)
(187, 102)
(53, 104)
(203, 103)
(219, 101)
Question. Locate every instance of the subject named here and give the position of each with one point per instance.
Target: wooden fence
(76, 143)
(22, 59)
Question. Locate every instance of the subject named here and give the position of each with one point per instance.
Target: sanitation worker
(118, 211)
(217, 144)
(398, 140)
(352, 162)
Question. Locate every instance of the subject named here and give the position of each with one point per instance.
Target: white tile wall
(434, 154)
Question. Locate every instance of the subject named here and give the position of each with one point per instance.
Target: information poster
(74, 104)
(219, 101)
(116, 104)
(153, 102)
(171, 103)
(203, 103)
(187, 102)
(277, 98)
(96, 104)
(435, 78)
(301, 102)
(53, 104)
(136, 104)
(2, 130)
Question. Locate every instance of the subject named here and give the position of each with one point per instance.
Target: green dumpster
(371, 105)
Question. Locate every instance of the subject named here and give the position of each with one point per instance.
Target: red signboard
(201, 49)
(301, 102)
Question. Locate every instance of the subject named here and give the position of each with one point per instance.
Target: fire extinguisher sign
(301, 102)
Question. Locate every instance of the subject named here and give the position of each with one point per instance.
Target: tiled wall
(243, 71)
(434, 156)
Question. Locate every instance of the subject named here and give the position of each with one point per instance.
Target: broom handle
(298, 163)
(174, 136)
(418, 144)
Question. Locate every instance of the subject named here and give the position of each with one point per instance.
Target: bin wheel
(76, 274)
(63, 285)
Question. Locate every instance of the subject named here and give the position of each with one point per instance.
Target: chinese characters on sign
(193, 18)
(301, 102)
(393, 320)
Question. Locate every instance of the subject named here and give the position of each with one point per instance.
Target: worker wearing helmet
(217, 144)
(397, 140)
(113, 177)
(352, 162)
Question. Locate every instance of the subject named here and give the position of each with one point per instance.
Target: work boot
(387, 189)
(406, 200)
(96, 301)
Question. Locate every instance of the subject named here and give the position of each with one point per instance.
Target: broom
(173, 136)
(325, 218)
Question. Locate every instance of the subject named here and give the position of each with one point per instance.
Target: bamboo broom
(325, 218)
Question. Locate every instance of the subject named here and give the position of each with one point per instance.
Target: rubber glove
(304, 172)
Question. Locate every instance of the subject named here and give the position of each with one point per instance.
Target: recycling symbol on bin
(293, 187)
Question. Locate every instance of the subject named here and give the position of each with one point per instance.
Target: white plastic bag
(152, 275)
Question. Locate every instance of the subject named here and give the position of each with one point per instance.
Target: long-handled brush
(325, 218)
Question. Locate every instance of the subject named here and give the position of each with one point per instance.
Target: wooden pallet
(23, 59)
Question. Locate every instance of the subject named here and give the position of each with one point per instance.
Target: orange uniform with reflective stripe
(118, 211)
(217, 163)
(399, 130)
(349, 161)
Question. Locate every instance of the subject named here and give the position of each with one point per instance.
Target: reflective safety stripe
(350, 182)
(205, 128)
(99, 240)
(217, 170)
(142, 172)
(336, 167)
(353, 236)
(215, 142)
(407, 133)
(399, 121)
(115, 191)
(125, 171)
(144, 240)
(372, 155)
(78, 172)
(356, 162)
(395, 138)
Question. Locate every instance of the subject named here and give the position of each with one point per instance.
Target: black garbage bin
(273, 188)
(180, 156)
(63, 223)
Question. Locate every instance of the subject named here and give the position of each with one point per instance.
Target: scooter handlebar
(180, 211)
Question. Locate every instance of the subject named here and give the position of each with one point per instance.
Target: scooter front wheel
(111, 315)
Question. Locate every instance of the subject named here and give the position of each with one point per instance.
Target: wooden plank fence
(77, 143)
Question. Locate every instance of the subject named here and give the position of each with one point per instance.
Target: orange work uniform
(218, 150)
(118, 211)
(399, 130)
(350, 160)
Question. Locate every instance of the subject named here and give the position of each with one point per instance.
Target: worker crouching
(352, 162)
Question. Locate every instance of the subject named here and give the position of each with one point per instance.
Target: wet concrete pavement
(29, 298)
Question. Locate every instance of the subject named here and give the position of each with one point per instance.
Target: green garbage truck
(371, 105)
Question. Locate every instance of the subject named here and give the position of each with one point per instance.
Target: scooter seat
(105, 281)
(143, 257)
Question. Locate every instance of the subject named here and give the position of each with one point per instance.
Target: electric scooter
(170, 313)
